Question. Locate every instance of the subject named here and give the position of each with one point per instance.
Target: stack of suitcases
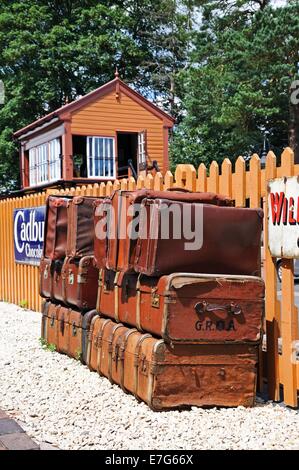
(173, 326)
(68, 275)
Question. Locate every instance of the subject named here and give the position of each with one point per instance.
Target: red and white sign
(283, 217)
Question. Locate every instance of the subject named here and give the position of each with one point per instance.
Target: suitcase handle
(205, 307)
(182, 190)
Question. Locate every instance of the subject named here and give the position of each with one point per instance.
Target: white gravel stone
(60, 402)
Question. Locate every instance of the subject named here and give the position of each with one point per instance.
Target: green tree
(54, 51)
(238, 87)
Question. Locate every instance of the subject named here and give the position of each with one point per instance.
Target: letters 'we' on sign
(283, 217)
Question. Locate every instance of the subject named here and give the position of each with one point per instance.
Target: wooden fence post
(213, 179)
(201, 183)
(239, 183)
(272, 327)
(288, 320)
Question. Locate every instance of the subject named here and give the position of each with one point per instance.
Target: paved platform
(13, 437)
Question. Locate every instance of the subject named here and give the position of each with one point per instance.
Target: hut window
(54, 160)
(101, 157)
(44, 163)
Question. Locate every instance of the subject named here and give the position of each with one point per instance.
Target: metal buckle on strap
(46, 272)
(155, 299)
(71, 278)
(74, 329)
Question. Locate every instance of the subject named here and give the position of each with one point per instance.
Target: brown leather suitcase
(125, 207)
(101, 214)
(194, 308)
(70, 332)
(80, 278)
(56, 227)
(231, 240)
(168, 377)
(46, 269)
(80, 234)
(58, 291)
(106, 299)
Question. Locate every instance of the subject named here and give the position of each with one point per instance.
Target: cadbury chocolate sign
(283, 217)
(28, 227)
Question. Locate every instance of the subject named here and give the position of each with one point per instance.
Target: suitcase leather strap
(136, 362)
(68, 347)
(46, 271)
(205, 307)
(110, 350)
(100, 284)
(99, 341)
(89, 341)
(116, 292)
(138, 305)
(57, 328)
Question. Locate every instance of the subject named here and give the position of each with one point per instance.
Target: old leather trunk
(80, 235)
(173, 377)
(56, 227)
(81, 282)
(125, 209)
(191, 308)
(231, 239)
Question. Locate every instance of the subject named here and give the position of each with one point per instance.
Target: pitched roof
(65, 110)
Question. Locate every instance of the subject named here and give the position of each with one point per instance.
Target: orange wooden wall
(108, 115)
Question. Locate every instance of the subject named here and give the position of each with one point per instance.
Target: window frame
(94, 145)
(41, 161)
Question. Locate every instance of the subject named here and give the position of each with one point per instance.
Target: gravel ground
(59, 401)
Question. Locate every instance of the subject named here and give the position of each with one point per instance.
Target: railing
(19, 284)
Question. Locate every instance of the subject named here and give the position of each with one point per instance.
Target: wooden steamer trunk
(168, 377)
(195, 308)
